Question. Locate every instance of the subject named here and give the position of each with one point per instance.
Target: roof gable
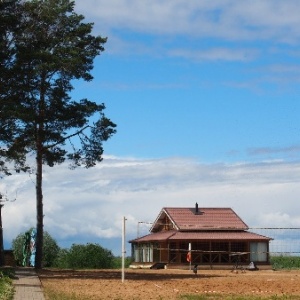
(190, 219)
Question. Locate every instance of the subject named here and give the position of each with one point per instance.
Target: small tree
(61, 260)
(50, 249)
(43, 51)
(89, 256)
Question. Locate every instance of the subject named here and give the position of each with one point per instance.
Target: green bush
(6, 288)
(285, 262)
(50, 249)
(117, 262)
(17, 247)
(89, 256)
(61, 260)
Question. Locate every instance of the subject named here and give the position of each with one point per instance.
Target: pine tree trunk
(39, 212)
(39, 179)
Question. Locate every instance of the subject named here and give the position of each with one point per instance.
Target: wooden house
(206, 236)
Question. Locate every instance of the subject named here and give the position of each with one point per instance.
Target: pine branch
(67, 137)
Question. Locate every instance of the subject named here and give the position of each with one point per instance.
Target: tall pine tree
(45, 47)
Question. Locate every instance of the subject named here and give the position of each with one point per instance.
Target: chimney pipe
(196, 209)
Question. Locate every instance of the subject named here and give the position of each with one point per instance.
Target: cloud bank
(83, 205)
(228, 19)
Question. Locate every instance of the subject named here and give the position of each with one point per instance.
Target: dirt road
(169, 284)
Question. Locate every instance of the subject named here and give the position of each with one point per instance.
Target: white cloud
(279, 219)
(81, 205)
(231, 19)
(222, 30)
(224, 54)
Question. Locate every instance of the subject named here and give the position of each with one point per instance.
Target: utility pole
(123, 248)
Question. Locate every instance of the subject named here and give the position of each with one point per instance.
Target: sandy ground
(169, 284)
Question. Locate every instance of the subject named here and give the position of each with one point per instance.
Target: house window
(201, 253)
(240, 247)
(143, 253)
(220, 252)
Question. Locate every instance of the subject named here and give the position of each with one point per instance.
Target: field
(171, 284)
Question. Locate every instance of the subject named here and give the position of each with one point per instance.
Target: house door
(258, 252)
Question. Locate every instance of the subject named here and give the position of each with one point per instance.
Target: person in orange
(189, 256)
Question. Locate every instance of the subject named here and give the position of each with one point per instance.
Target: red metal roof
(201, 236)
(188, 224)
(187, 219)
(218, 235)
(158, 236)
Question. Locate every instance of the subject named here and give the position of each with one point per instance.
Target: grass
(236, 297)
(6, 285)
(54, 295)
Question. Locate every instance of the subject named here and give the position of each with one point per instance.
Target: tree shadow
(150, 275)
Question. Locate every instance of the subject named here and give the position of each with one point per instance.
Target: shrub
(61, 260)
(89, 256)
(6, 288)
(117, 262)
(285, 262)
(50, 249)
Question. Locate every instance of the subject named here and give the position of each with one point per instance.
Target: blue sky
(218, 82)
(205, 97)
